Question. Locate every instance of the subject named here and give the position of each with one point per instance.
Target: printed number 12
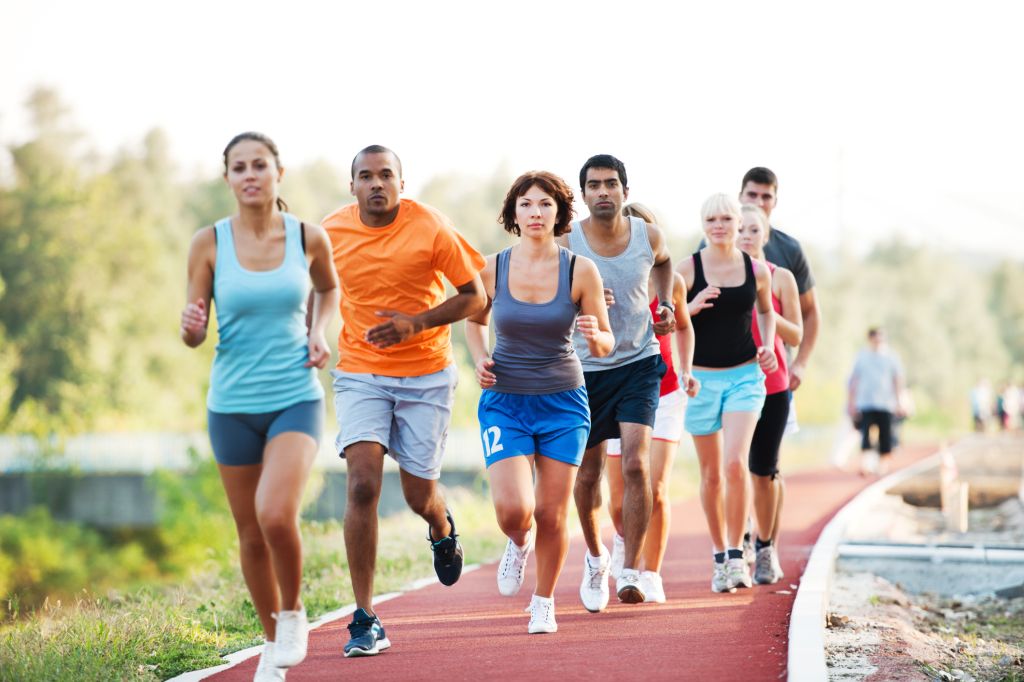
(492, 441)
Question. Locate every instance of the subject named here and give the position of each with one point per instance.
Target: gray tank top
(534, 353)
(626, 275)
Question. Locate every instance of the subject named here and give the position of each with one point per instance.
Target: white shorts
(668, 422)
(791, 425)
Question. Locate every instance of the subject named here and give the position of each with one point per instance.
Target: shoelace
(764, 562)
(595, 576)
(361, 627)
(511, 559)
(544, 610)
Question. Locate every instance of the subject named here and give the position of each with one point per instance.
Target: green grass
(159, 632)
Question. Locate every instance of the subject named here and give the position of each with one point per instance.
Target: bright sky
(878, 117)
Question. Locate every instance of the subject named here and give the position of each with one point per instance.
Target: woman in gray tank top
(533, 411)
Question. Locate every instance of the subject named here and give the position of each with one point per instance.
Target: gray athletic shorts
(409, 416)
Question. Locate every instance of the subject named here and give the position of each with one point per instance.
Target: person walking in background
(622, 386)
(668, 429)
(395, 379)
(981, 404)
(724, 285)
(265, 404)
(533, 412)
(771, 425)
(875, 386)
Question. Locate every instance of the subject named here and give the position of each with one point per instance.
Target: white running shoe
(513, 567)
(737, 573)
(764, 568)
(266, 671)
(719, 581)
(594, 588)
(542, 615)
(628, 587)
(654, 591)
(618, 555)
(291, 638)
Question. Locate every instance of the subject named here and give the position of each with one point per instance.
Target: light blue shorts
(736, 389)
(409, 416)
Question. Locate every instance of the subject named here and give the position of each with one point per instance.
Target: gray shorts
(409, 416)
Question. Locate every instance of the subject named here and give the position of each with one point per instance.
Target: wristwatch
(669, 306)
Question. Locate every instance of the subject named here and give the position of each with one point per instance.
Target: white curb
(806, 658)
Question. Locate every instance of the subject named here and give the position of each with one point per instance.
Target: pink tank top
(777, 381)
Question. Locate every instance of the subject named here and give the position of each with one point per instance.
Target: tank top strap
(501, 273)
(564, 283)
(293, 240)
(226, 258)
(700, 282)
(751, 279)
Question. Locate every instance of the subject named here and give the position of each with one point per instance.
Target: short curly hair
(550, 184)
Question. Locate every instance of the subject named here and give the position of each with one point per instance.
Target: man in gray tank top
(622, 387)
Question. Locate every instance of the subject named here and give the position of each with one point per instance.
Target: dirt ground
(878, 632)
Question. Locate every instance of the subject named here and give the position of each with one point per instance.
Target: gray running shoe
(737, 573)
(719, 582)
(764, 567)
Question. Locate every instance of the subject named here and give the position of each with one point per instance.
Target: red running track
(470, 632)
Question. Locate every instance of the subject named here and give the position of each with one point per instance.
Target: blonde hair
(638, 210)
(717, 204)
(759, 212)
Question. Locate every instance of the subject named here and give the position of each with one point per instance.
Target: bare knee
(550, 519)
(512, 517)
(363, 491)
(277, 525)
(735, 470)
(634, 471)
(251, 541)
(659, 494)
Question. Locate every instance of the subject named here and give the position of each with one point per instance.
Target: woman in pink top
(764, 448)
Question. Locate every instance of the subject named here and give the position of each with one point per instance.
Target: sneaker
(368, 638)
(628, 587)
(737, 573)
(447, 555)
(594, 588)
(764, 568)
(719, 581)
(542, 615)
(291, 638)
(513, 567)
(654, 591)
(776, 566)
(749, 555)
(618, 555)
(266, 671)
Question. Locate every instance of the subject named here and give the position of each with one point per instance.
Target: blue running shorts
(553, 425)
(736, 389)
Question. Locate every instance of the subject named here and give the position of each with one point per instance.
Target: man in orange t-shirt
(395, 380)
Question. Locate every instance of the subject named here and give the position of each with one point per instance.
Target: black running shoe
(368, 638)
(447, 555)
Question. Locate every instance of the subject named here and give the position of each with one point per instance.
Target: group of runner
(582, 368)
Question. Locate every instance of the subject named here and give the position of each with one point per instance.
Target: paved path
(469, 632)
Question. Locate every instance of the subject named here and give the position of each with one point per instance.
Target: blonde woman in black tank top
(534, 415)
(724, 285)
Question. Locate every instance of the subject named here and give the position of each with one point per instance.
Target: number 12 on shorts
(492, 441)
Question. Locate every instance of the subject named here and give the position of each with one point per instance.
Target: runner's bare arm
(477, 332)
(765, 319)
(812, 321)
(661, 275)
(326, 294)
(685, 339)
(202, 255)
(789, 325)
(588, 292)
(469, 299)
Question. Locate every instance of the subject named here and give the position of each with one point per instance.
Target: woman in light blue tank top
(533, 412)
(265, 403)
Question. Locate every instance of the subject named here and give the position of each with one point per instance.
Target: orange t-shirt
(397, 267)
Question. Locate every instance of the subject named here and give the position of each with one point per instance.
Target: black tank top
(723, 334)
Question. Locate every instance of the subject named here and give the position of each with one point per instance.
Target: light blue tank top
(630, 317)
(261, 320)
